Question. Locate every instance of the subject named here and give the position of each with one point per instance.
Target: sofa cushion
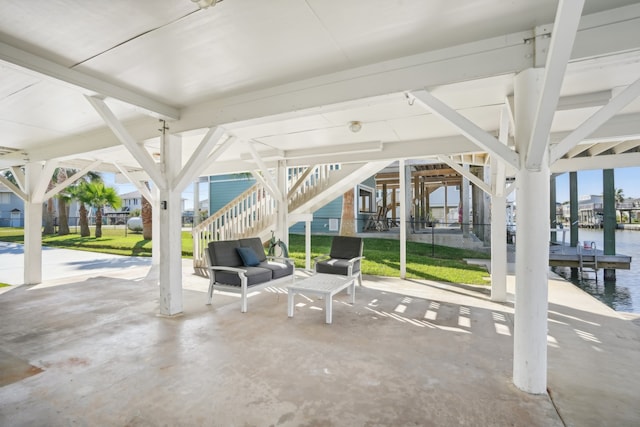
(255, 276)
(278, 269)
(256, 244)
(336, 266)
(249, 257)
(224, 253)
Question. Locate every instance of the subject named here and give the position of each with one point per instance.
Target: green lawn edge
(382, 256)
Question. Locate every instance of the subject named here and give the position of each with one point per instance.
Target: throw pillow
(249, 257)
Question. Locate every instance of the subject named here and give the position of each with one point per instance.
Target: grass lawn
(382, 256)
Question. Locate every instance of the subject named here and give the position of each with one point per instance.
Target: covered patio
(165, 91)
(407, 353)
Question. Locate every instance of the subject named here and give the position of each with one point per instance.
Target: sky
(590, 182)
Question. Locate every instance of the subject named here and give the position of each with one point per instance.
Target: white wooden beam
(626, 146)
(139, 153)
(17, 191)
(499, 170)
(601, 148)
(475, 134)
(140, 186)
(48, 169)
(87, 83)
(617, 103)
(18, 174)
(604, 161)
(70, 180)
(270, 181)
(471, 177)
(200, 157)
(562, 38)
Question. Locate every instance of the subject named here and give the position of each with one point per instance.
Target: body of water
(624, 293)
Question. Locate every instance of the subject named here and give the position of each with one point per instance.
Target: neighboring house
(11, 209)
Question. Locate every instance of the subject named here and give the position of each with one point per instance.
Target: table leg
(290, 303)
(328, 307)
(353, 292)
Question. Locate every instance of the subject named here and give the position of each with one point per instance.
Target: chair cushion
(346, 247)
(249, 257)
(336, 266)
(256, 244)
(224, 253)
(255, 276)
(278, 269)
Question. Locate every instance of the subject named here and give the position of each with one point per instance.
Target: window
(365, 197)
(5, 198)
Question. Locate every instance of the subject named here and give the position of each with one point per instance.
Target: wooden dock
(568, 256)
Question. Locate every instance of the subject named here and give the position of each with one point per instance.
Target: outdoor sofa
(240, 265)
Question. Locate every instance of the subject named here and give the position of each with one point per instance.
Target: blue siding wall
(320, 223)
(224, 188)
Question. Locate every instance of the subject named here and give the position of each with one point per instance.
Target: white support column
(155, 224)
(307, 245)
(532, 248)
(283, 205)
(32, 225)
(403, 218)
(498, 248)
(464, 202)
(170, 208)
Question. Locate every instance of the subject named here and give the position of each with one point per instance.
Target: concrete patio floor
(92, 350)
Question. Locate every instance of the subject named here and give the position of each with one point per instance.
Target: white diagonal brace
(89, 83)
(471, 177)
(138, 152)
(271, 182)
(18, 174)
(590, 125)
(43, 183)
(73, 178)
(200, 157)
(143, 189)
(18, 192)
(563, 35)
(467, 128)
(262, 182)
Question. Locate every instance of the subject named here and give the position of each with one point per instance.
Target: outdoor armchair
(344, 258)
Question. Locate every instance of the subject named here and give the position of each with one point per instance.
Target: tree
(63, 214)
(619, 195)
(347, 222)
(98, 195)
(146, 215)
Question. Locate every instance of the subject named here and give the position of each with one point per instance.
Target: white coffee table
(325, 285)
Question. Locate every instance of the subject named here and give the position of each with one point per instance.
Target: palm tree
(619, 195)
(99, 196)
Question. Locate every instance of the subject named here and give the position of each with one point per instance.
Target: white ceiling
(291, 75)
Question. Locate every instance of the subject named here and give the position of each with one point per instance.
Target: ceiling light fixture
(203, 4)
(355, 126)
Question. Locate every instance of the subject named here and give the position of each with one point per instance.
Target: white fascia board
(562, 39)
(88, 84)
(611, 161)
